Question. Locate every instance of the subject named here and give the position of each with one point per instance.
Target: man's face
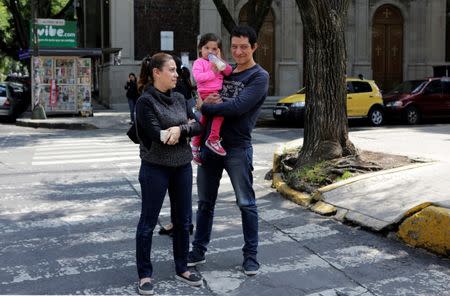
(241, 50)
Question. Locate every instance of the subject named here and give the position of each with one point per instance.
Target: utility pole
(38, 110)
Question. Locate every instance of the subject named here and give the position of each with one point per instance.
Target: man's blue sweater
(243, 94)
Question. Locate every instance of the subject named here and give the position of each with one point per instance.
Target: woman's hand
(174, 135)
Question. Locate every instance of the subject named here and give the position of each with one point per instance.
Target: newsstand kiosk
(62, 80)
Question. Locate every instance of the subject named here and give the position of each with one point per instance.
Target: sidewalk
(413, 201)
(103, 119)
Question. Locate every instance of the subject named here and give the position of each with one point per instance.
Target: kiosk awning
(64, 51)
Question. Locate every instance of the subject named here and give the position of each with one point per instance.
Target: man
(243, 93)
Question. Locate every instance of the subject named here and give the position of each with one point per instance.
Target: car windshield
(302, 90)
(407, 87)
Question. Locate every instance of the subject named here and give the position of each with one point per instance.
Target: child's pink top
(207, 80)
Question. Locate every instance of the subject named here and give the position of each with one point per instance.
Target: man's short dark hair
(245, 31)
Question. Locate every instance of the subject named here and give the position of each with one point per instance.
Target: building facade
(389, 41)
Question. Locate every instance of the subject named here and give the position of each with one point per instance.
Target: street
(69, 206)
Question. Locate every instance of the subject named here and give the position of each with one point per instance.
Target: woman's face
(166, 78)
(132, 78)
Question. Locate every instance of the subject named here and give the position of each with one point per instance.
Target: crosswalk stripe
(86, 160)
(79, 155)
(78, 150)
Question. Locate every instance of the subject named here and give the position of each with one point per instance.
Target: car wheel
(376, 116)
(412, 115)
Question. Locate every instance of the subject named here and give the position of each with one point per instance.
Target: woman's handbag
(132, 133)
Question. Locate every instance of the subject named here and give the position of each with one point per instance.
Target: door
(446, 96)
(431, 101)
(265, 54)
(358, 98)
(387, 47)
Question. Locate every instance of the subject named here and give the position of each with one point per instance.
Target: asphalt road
(69, 205)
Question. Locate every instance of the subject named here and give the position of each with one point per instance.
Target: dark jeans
(155, 180)
(131, 104)
(238, 164)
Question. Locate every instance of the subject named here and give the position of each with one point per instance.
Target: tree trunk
(225, 15)
(20, 26)
(257, 13)
(326, 125)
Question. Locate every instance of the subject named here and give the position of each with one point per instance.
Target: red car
(413, 100)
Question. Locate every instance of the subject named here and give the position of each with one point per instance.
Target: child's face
(210, 47)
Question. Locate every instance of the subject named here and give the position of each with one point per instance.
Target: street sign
(24, 54)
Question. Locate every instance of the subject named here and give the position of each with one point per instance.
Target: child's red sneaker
(215, 147)
(196, 155)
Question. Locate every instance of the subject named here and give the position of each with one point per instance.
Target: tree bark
(326, 125)
(21, 39)
(225, 15)
(257, 13)
(64, 10)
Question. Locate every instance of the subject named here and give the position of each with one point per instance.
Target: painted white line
(86, 160)
(76, 150)
(310, 231)
(360, 255)
(85, 155)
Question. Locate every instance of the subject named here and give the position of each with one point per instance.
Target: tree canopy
(15, 16)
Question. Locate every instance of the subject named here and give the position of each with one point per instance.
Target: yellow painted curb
(324, 208)
(429, 229)
(291, 194)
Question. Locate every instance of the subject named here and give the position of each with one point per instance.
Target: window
(2, 91)
(434, 87)
(446, 85)
(361, 87)
(349, 88)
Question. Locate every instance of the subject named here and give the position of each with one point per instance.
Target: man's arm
(245, 101)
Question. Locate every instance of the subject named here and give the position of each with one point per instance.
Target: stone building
(389, 41)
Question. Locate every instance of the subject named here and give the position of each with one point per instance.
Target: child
(209, 80)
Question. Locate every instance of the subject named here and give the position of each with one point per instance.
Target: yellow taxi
(364, 100)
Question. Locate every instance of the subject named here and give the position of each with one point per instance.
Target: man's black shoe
(250, 266)
(195, 258)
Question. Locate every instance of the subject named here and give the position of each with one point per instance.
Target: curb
(425, 226)
(428, 229)
(55, 125)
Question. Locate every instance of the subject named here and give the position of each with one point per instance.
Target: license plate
(278, 112)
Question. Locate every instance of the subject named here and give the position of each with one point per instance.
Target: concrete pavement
(413, 201)
(409, 200)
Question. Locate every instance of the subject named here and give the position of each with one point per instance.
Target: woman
(132, 94)
(164, 125)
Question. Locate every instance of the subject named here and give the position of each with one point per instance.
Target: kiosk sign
(55, 33)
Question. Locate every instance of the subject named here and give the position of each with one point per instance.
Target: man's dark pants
(238, 164)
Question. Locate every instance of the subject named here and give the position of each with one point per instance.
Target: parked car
(13, 99)
(414, 100)
(363, 101)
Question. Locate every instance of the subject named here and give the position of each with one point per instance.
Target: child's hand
(214, 68)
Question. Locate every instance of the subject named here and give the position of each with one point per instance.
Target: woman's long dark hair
(148, 64)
